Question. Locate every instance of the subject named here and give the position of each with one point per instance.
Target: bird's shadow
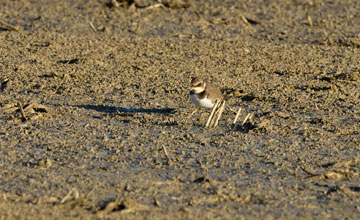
(121, 110)
(245, 128)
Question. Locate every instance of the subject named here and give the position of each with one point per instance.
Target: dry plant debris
(215, 114)
(18, 111)
(8, 27)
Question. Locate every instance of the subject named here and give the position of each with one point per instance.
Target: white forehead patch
(198, 89)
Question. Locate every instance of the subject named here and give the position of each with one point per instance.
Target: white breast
(205, 102)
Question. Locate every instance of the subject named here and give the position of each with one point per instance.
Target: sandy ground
(91, 93)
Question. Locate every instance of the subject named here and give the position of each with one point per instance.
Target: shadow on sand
(111, 109)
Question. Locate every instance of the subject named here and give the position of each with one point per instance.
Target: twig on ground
(23, 116)
(7, 26)
(92, 27)
(212, 113)
(73, 192)
(248, 117)
(219, 113)
(166, 154)
(216, 113)
(237, 116)
(158, 5)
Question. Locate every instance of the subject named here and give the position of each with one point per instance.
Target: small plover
(204, 94)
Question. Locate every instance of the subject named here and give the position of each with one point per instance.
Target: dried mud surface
(92, 93)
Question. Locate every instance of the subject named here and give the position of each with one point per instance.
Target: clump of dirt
(94, 109)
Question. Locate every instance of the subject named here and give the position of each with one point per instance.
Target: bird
(204, 94)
